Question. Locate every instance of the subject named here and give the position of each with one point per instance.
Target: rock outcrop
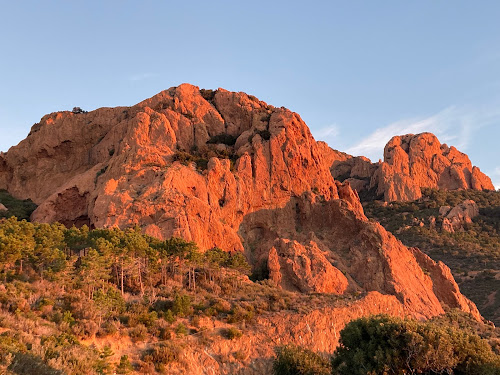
(3, 208)
(455, 218)
(412, 162)
(225, 169)
(305, 268)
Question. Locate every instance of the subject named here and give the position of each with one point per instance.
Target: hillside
(472, 251)
(80, 301)
(201, 229)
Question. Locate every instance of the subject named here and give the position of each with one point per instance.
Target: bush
(124, 367)
(182, 305)
(22, 209)
(162, 354)
(294, 360)
(226, 139)
(138, 333)
(382, 344)
(181, 330)
(233, 333)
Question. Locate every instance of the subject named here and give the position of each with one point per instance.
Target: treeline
(386, 345)
(61, 285)
(95, 259)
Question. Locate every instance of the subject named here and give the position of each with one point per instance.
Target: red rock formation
(412, 162)
(292, 265)
(269, 192)
(455, 218)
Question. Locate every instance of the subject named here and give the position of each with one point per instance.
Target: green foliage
(294, 360)
(473, 250)
(233, 333)
(22, 209)
(182, 305)
(221, 258)
(386, 345)
(162, 354)
(109, 301)
(202, 155)
(181, 330)
(226, 139)
(124, 366)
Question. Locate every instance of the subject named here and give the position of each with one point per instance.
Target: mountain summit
(225, 170)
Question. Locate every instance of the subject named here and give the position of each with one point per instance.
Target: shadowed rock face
(269, 192)
(412, 162)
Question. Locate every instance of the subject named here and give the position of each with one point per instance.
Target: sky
(358, 72)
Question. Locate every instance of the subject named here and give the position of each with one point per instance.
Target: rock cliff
(412, 162)
(225, 169)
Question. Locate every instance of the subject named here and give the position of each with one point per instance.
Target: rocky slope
(225, 169)
(412, 162)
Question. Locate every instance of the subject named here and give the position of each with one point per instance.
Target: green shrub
(138, 333)
(226, 139)
(181, 330)
(383, 344)
(233, 333)
(162, 354)
(124, 367)
(22, 209)
(182, 305)
(294, 360)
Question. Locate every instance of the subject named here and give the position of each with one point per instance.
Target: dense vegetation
(386, 345)
(60, 286)
(21, 209)
(473, 254)
(201, 156)
(66, 293)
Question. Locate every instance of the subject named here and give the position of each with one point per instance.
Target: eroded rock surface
(412, 162)
(455, 218)
(225, 169)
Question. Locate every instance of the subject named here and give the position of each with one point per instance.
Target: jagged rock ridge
(222, 169)
(412, 162)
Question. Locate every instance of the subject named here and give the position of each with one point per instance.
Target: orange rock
(412, 162)
(267, 188)
(455, 218)
(304, 268)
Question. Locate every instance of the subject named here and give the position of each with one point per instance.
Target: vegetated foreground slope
(472, 251)
(82, 301)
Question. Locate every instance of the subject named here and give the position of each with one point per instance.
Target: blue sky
(357, 72)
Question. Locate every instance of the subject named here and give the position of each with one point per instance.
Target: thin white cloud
(495, 177)
(328, 132)
(452, 125)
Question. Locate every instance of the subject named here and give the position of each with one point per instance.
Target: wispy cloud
(452, 125)
(495, 177)
(328, 132)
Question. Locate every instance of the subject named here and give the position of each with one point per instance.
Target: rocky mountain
(411, 162)
(225, 169)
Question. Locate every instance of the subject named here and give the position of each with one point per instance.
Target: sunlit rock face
(225, 169)
(412, 162)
